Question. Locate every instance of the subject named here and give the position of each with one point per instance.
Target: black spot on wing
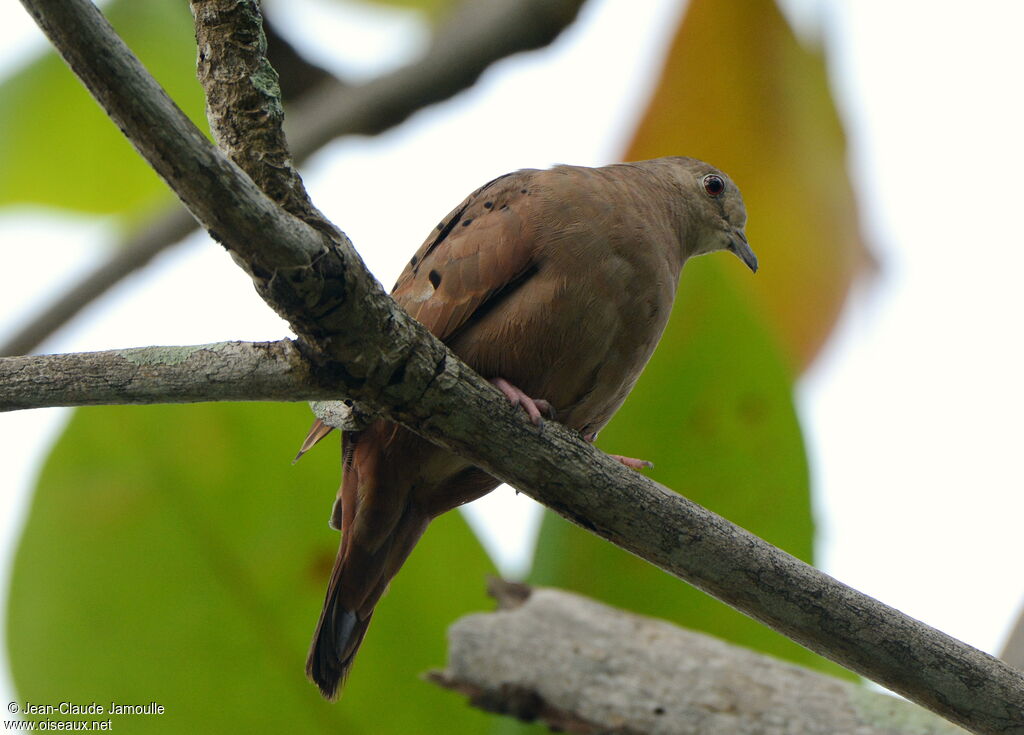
(445, 228)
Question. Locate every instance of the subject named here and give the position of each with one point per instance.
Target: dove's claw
(636, 464)
(534, 408)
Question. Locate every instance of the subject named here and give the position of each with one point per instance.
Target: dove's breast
(580, 328)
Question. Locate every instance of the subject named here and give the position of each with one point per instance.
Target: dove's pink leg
(533, 407)
(636, 464)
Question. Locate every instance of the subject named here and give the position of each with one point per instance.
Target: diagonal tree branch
(476, 36)
(354, 334)
(164, 229)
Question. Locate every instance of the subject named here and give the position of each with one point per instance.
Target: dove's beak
(738, 244)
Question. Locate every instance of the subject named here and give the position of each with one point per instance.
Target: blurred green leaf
(740, 91)
(173, 554)
(58, 148)
(714, 412)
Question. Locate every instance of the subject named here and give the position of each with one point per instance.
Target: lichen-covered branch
(583, 667)
(243, 100)
(226, 371)
(355, 336)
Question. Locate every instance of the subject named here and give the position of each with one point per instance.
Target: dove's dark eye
(714, 185)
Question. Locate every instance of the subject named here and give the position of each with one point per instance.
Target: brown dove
(556, 286)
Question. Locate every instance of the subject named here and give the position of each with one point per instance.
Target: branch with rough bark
(227, 371)
(583, 667)
(354, 336)
(473, 38)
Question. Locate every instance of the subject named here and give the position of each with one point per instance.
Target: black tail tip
(326, 673)
(331, 654)
(329, 688)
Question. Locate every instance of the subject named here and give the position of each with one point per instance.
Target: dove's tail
(337, 638)
(361, 575)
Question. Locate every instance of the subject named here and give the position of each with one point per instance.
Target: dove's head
(714, 212)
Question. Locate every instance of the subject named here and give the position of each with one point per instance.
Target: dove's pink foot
(534, 408)
(636, 464)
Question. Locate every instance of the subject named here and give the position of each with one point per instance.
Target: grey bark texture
(358, 340)
(582, 667)
(227, 371)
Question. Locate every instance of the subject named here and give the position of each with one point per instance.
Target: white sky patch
(354, 40)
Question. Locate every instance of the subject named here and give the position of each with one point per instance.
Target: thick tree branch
(583, 667)
(227, 371)
(165, 229)
(357, 337)
(476, 36)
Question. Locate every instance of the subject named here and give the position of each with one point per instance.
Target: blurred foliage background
(170, 554)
